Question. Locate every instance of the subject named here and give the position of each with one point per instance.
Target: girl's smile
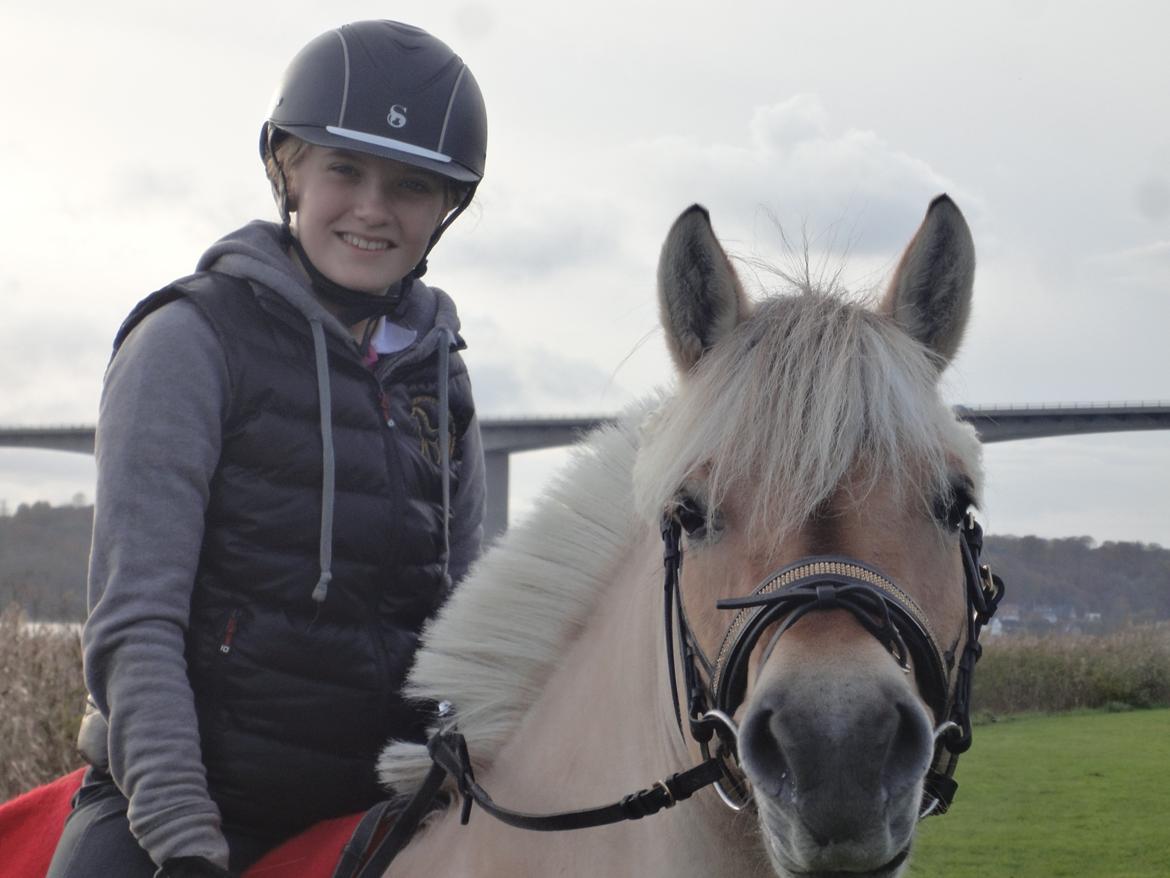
(367, 244)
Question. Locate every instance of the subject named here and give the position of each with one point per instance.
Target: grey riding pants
(97, 842)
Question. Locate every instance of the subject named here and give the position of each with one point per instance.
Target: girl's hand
(191, 867)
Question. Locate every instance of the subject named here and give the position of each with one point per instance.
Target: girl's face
(364, 221)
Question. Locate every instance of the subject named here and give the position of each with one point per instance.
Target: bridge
(503, 437)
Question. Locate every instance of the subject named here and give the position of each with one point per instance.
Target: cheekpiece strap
(672, 564)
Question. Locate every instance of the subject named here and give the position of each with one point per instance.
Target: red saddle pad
(31, 824)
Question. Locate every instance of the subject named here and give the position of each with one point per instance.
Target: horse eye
(692, 516)
(951, 508)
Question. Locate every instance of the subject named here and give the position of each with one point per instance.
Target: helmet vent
(345, 84)
(450, 104)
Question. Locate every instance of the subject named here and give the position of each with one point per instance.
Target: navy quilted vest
(296, 699)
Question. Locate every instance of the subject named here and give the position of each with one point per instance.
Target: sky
(130, 144)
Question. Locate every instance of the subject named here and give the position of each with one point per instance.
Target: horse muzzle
(836, 760)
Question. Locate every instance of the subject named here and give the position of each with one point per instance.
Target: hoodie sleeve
(468, 505)
(158, 443)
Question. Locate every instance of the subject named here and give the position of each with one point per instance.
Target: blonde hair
(278, 162)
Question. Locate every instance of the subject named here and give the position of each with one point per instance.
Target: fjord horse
(820, 634)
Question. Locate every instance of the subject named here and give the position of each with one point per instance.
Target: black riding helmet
(386, 89)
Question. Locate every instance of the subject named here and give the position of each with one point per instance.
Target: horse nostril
(910, 751)
(759, 748)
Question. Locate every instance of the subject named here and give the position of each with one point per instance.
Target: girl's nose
(374, 203)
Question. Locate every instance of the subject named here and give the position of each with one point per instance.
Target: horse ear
(930, 294)
(699, 296)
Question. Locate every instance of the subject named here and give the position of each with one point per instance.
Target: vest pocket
(220, 659)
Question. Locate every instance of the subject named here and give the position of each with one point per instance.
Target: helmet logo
(397, 116)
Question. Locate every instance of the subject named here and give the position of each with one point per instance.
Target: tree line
(1075, 580)
(44, 551)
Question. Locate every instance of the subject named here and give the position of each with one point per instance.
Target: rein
(715, 690)
(449, 756)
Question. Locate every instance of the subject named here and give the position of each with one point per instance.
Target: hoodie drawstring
(328, 463)
(446, 342)
(324, 397)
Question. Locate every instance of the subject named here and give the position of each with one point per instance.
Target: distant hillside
(1074, 583)
(1061, 583)
(43, 555)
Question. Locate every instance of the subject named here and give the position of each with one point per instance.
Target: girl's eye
(417, 185)
(344, 170)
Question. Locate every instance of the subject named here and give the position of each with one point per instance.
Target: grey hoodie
(163, 405)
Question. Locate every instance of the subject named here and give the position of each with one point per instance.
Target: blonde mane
(809, 388)
(493, 646)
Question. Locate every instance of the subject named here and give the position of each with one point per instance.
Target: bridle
(715, 688)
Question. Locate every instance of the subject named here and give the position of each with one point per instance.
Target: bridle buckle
(991, 587)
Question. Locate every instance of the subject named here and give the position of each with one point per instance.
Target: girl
(290, 479)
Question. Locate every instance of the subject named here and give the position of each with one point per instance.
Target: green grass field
(1084, 794)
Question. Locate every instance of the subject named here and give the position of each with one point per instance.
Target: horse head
(816, 477)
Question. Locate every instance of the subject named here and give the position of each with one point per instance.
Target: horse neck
(602, 728)
(599, 722)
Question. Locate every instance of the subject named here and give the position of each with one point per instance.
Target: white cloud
(1144, 264)
(1098, 485)
(788, 164)
(1158, 252)
(29, 476)
(532, 376)
(531, 237)
(1152, 198)
(794, 164)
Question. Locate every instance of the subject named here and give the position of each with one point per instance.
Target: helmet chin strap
(357, 305)
(353, 306)
(421, 268)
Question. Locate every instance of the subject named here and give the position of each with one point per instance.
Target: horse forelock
(807, 395)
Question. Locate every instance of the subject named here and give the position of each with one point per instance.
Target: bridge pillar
(496, 519)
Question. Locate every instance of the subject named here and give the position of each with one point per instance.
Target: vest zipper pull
(384, 402)
(230, 632)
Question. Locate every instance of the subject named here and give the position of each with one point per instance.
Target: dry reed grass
(41, 699)
(1060, 672)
